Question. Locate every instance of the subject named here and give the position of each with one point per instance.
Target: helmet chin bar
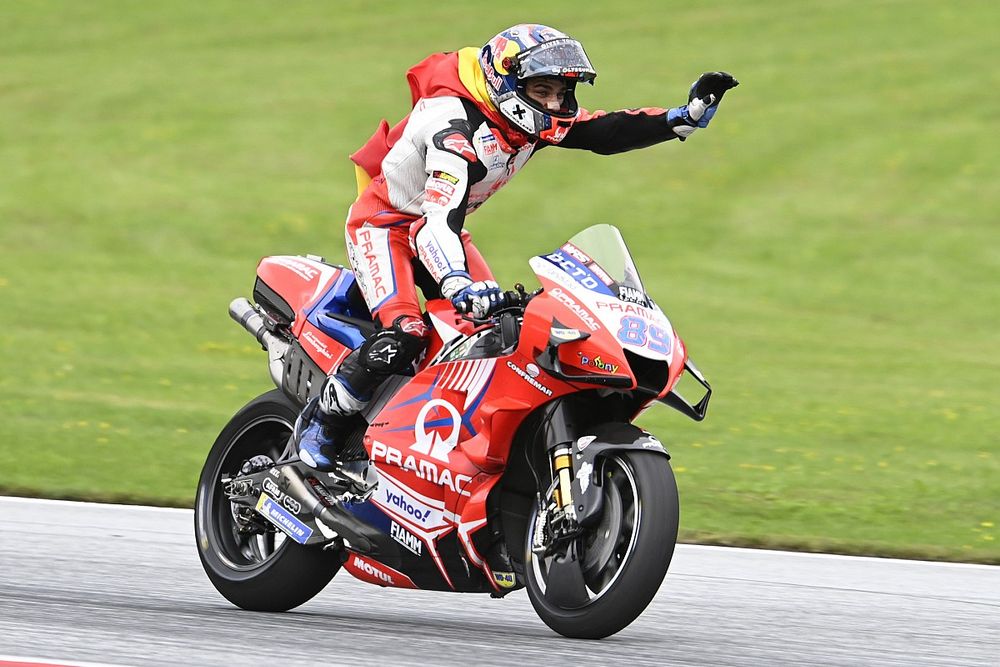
(528, 115)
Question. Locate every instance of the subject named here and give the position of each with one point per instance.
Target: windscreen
(606, 247)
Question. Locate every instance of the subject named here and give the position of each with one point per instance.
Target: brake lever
(516, 299)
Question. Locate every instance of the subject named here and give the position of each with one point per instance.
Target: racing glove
(703, 100)
(480, 299)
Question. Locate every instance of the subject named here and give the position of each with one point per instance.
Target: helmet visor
(557, 57)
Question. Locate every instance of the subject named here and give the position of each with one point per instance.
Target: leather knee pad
(390, 351)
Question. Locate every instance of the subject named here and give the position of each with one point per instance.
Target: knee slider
(393, 350)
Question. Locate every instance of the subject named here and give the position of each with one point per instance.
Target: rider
(478, 115)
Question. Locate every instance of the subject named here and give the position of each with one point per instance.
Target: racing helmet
(526, 51)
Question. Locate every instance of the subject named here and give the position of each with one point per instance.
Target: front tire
(624, 557)
(263, 572)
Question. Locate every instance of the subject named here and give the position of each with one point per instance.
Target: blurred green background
(828, 248)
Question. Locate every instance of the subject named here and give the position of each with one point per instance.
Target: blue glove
(480, 299)
(703, 100)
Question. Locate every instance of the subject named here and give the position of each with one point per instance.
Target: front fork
(562, 467)
(556, 520)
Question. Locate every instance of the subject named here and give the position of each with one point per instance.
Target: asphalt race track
(123, 586)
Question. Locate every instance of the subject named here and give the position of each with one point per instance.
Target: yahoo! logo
(398, 501)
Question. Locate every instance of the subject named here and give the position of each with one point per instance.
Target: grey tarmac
(123, 585)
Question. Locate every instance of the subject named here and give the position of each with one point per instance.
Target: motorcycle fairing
(414, 443)
(439, 446)
(374, 572)
(441, 442)
(308, 289)
(630, 323)
(336, 301)
(299, 281)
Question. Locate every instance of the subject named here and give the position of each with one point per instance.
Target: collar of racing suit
(456, 74)
(459, 74)
(470, 73)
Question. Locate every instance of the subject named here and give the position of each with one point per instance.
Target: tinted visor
(557, 57)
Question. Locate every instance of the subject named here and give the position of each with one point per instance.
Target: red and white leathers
(418, 181)
(443, 161)
(438, 170)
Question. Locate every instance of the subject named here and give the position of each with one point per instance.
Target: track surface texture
(123, 585)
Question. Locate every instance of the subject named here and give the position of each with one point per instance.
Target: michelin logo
(280, 517)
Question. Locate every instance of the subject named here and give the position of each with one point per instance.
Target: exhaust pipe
(250, 319)
(355, 532)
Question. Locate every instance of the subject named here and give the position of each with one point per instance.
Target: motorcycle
(506, 459)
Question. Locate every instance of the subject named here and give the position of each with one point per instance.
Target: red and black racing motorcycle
(506, 460)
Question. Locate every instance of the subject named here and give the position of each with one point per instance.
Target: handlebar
(516, 299)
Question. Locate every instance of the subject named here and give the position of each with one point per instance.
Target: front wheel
(256, 570)
(622, 559)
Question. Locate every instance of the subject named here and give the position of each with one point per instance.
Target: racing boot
(316, 430)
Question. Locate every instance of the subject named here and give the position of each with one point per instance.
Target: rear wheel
(622, 559)
(261, 571)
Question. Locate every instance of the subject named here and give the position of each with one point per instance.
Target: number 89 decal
(635, 331)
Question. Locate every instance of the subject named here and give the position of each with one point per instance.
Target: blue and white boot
(314, 429)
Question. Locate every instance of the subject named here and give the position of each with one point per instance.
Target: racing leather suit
(417, 183)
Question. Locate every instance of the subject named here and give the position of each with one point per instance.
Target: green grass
(828, 248)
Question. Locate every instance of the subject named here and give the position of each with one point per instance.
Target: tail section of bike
(317, 303)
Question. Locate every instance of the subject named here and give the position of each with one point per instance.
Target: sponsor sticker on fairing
(652, 443)
(279, 516)
(576, 253)
(372, 571)
(410, 541)
(505, 579)
(298, 267)
(583, 273)
(567, 335)
(565, 299)
(318, 345)
(583, 475)
(601, 274)
(399, 502)
(628, 308)
(633, 295)
(598, 363)
(527, 377)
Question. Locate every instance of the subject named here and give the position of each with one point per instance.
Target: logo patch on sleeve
(445, 176)
(455, 142)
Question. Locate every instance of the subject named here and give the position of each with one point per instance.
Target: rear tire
(264, 572)
(625, 557)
